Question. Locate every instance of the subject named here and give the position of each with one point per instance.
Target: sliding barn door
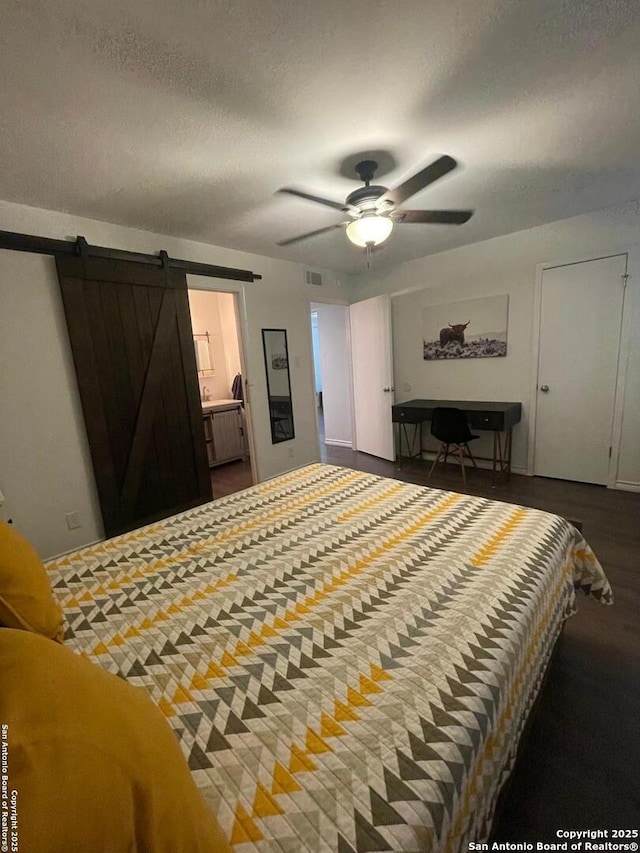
(132, 343)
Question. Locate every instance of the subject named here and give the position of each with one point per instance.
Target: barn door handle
(544, 388)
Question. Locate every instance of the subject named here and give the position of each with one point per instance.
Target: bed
(347, 660)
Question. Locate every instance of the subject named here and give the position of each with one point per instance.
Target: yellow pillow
(26, 600)
(94, 763)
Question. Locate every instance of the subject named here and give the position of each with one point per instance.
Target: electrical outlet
(73, 520)
(290, 453)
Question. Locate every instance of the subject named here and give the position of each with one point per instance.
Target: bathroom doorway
(219, 358)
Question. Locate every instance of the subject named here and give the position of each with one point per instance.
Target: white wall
(508, 265)
(45, 467)
(45, 470)
(230, 340)
(205, 317)
(335, 367)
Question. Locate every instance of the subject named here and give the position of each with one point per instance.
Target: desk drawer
(486, 420)
(407, 416)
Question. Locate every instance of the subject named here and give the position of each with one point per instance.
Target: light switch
(73, 520)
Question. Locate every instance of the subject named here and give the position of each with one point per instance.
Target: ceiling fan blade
(311, 234)
(336, 205)
(419, 181)
(433, 217)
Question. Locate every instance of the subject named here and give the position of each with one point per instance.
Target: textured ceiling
(184, 117)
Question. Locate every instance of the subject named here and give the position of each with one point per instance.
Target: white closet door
(581, 314)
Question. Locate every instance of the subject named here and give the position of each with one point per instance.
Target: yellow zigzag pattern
(297, 612)
(232, 533)
(493, 741)
(345, 516)
(163, 615)
(300, 474)
(487, 551)
(102, 547)
(283, 779)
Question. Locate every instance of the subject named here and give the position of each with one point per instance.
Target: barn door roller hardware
(80, 248)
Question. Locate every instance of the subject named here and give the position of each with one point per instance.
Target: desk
(497, 418)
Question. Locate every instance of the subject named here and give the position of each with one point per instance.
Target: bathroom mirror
(276, 361)
(204, 361)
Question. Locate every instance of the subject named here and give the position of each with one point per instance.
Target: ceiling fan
(374, 209)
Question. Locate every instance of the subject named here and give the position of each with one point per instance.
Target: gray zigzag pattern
(416, 755)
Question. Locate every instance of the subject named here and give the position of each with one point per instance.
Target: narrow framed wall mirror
(276, 362)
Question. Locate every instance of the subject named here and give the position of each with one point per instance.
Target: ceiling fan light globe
(369, 230)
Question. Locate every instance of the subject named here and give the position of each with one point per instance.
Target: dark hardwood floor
(231, 477)
(580, 765)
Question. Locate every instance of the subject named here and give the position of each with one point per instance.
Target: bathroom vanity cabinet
(224, 431)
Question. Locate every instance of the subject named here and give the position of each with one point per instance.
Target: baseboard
(334, 442)
(625, 486)
(517, 470)
(73, 550)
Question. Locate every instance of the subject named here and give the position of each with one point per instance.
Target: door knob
(386, 390)
(544, 388)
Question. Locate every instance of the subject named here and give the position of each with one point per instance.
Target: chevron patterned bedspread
(347, 660)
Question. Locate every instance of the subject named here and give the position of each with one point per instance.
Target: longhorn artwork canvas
(473, 328)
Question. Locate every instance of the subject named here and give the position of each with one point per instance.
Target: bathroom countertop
(210, 405)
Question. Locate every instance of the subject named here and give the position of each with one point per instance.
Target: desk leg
(403, 432)
(505, 457)
(413, 441)
(508, 451)
(411, 446)
(502, 453)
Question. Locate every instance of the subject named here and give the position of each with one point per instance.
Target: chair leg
(446, 453)
(466, 447)
(460, 457)
(435, 461)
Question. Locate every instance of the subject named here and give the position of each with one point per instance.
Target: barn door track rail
(80, 248)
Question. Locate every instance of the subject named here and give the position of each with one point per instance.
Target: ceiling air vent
(313, 278)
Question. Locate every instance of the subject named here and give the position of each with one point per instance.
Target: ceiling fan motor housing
(365, 198)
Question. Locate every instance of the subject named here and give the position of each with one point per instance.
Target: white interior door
(372, 375)
(581, 314)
